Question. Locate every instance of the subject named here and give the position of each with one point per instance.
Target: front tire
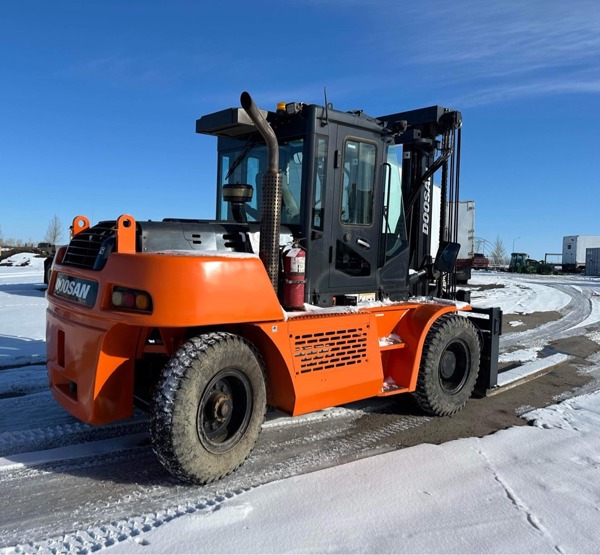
(449, 366)
(208, 407)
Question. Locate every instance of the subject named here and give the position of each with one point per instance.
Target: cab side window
(320, 178)
(358, 183)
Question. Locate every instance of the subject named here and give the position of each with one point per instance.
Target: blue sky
(99, 100)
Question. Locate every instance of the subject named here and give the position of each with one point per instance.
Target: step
(390, 342)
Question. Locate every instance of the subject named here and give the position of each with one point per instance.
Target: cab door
(353, 228)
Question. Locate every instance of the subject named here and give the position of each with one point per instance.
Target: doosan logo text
(72, 288)
(426, 207)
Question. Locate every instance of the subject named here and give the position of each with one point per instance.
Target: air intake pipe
(270, 206)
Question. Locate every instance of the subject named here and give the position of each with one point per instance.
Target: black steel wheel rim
(224, 411)
(454, 367)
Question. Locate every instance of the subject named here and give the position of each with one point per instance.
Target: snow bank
(24, 259)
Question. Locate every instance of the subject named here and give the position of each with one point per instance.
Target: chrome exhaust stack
(270, 206)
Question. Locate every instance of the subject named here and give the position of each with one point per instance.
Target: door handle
(362, 243)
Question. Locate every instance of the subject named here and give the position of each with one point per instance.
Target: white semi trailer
(466, 233)
(466, 238)
(574, 251)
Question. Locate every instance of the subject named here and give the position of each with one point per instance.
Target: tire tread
(428, 395)
(166, 445)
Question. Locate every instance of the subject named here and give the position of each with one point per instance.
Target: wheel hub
(454, 367)
(448, 365)
(221, 407)
(224, 411)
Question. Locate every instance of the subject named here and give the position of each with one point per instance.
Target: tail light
(124, 298)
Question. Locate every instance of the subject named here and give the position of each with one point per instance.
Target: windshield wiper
(240, 158)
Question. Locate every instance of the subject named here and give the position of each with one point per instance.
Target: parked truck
(574, 251)
(314, 287)
(46, 249)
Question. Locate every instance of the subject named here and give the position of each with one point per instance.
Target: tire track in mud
(574, 313)
(51, 437)
(282, 452)
(45, 425)
(114, 532)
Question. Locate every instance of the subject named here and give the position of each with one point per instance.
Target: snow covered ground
(532, 489)
(22, 310)
(523, 490)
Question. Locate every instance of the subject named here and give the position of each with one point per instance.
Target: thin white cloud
(502, 49)
(464, 49)
(160, 69)
(506, 92)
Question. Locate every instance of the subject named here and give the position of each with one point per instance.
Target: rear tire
(208, 407)
(449, 366)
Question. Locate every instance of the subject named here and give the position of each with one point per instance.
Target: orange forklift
(314, 287)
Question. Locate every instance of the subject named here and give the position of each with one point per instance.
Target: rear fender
(280, 388)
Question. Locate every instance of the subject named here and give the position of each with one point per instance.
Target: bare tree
(54, 231)
(498, 254)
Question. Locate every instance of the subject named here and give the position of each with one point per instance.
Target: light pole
(514, 243)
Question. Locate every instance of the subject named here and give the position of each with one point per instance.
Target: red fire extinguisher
(294, 274)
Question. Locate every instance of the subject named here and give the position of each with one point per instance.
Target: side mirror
(445, 259)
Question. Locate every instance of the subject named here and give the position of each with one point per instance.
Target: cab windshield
(247, 162)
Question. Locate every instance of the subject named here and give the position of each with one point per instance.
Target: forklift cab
(344, 177)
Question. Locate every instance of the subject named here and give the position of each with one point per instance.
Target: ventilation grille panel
(85, 247)
(329, 349)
